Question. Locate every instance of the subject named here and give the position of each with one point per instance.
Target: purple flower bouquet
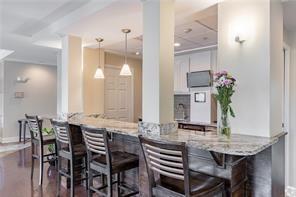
(224, 84)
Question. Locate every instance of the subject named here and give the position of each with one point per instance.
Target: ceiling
(203, 26)
(29, 25)
(33, 28)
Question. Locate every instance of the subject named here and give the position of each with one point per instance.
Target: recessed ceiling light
(137, 53)
(187, 30)
(177, 44)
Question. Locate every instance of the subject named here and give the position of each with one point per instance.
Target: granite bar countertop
(241, 145)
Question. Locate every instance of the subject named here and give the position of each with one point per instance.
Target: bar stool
(39, 141)
(168, 173)
(100, 159)
(67, 150)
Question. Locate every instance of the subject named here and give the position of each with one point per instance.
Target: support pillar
(71, 76)
(257, 63)
(158, 67)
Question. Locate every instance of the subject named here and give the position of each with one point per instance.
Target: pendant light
(99, 72)
(125, 70)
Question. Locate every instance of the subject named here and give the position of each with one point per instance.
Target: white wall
(257, 63)
(40, 94)
(201, 112)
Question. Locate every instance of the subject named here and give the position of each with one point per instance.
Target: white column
(257, 63)
(71, 76)
(158, 62)
(59, 82)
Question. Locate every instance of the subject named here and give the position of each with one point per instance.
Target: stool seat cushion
(200, 184)
(47, 139)
(78, 149)
(121, 161)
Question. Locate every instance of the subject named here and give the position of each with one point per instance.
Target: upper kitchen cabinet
(200, 61)
(180, 74)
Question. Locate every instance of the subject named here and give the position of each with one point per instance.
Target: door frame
(131, 112)
(286, 112)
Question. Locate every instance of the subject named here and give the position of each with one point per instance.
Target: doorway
(286, 111)
(118, 95)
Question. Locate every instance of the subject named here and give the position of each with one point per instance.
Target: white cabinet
(200, 61)
(181, 68)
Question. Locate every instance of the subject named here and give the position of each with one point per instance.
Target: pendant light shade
(125, 70)
(99, 74)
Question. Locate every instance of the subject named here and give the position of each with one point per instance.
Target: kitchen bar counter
(244, 162)
(240, 145)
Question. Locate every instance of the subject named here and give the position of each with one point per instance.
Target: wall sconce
(239, 39)
(22, 80)
(19, 95)
(241, 29)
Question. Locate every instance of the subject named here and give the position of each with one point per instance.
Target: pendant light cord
(125, 55)
(99, 55)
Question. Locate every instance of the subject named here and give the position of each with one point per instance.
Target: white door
(118, 95)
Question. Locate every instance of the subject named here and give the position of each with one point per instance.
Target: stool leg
(86, 172)
(90, 183)
(72, 177)
(41, 165)
(20, 131)
(102, 179)
(24, 134)
(118, 184)
(56, 155)
(33, 160)
(59, 166)
(109, 181)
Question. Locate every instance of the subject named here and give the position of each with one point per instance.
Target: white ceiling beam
(56, 28)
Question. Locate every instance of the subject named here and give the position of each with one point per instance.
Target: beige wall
(93, 89)
(136, 65)
(40, 94)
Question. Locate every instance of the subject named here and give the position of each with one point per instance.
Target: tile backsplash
(182, 107)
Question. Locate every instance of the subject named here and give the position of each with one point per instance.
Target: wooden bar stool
(101, 160)
(39, 141)
(72, 153)
(168, 173)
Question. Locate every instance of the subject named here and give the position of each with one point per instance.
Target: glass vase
(224, 129)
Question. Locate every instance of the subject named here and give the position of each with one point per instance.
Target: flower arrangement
(225, 84)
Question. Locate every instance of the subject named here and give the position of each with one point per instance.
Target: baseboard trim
(291, 191)
(9, 139)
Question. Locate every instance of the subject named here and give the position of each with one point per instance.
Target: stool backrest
(168, 159)
(34, 127)
(97, 143)
(63, 135)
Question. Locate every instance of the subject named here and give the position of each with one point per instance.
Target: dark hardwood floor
(15, 177)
